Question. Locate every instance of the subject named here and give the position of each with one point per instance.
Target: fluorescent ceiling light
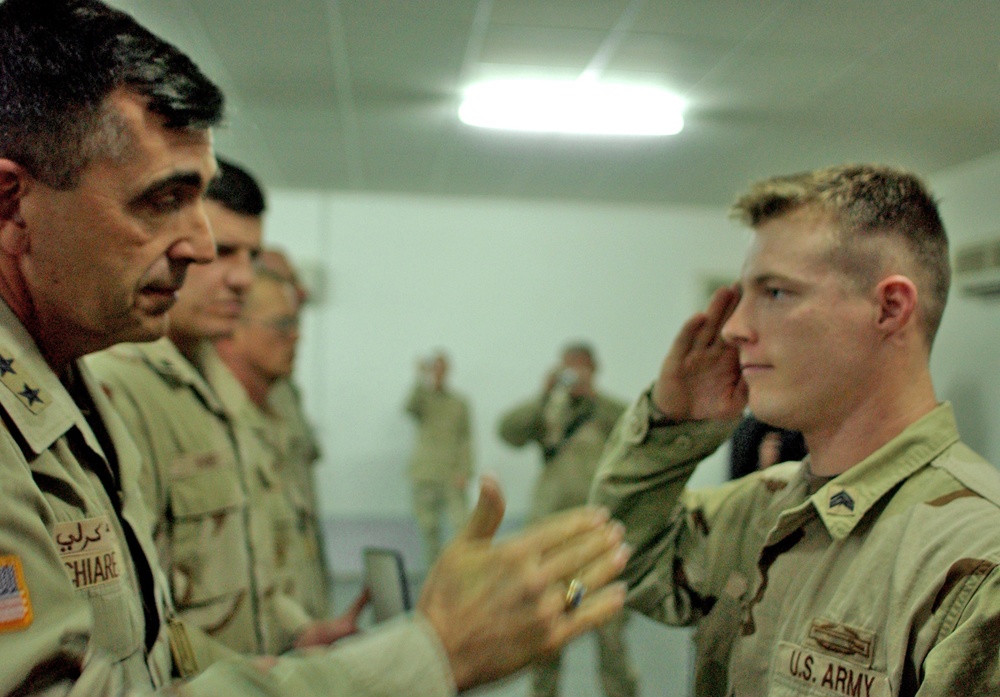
(580, 106)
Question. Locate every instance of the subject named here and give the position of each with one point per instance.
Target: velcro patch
(15, 603)
(814, 672)
(90, 552)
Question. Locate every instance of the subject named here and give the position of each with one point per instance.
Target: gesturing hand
(496, 607)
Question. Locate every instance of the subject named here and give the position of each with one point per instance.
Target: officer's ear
(14, 184)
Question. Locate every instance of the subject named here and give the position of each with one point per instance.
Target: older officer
(570, 423)
(873, 566)
(105, 155)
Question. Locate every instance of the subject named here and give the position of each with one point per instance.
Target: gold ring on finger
(574, 594)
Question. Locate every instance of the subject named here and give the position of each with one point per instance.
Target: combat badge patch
(808, 671)
(842, 639)
(89, 551)
(15, 604)
(23, 385)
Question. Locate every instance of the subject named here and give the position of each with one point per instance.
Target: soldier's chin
(770, 413)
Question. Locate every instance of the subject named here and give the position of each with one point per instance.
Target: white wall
(966, 356)
(501, 285)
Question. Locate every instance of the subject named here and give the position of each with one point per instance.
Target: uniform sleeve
(609, 412)
(403, 657)
(685, 543)
(415, 402)
(44, 625)
(966, 660)
(289, 616)
(523, 424)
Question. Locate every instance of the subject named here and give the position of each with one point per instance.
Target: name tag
(801, 666)
(89, 551)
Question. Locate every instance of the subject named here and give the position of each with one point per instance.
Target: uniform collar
(36, 401)
(165, 359)
(844, 500)
(231, 393)
(247, 417)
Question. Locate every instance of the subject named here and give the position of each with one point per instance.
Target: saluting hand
(700, 377)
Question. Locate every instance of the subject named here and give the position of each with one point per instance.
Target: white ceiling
(362, 94)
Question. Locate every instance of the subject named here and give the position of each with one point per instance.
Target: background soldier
(570, 422)
(441, 463)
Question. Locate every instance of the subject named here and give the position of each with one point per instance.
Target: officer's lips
(160, 296)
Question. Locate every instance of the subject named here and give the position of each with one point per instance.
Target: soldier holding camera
(570, 421)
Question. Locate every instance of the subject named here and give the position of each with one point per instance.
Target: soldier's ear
(14, 183)
(897, 297)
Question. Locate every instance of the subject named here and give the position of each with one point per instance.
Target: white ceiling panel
(362, 94)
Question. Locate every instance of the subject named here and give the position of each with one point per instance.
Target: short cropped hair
(59, 62)
(236, 189)
(869, 204)
(581, 348)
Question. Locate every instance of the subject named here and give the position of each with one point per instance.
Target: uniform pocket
(208, 536)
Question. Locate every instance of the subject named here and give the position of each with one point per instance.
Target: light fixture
(577, 106)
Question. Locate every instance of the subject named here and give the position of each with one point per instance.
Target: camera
(567, 377)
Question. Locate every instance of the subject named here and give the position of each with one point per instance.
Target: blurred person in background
(301, 453)
(570, 422)
(756, 445)
(440, 465)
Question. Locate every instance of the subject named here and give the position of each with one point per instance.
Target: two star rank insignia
(22, 385)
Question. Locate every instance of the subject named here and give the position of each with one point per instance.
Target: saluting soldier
(872, 567)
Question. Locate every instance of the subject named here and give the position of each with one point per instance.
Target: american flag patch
(15, 605)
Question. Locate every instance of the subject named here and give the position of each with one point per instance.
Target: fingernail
(616, 531)
(602, 515)
(623, 553)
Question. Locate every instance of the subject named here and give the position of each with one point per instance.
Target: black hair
(236, 189)
(59, 62)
